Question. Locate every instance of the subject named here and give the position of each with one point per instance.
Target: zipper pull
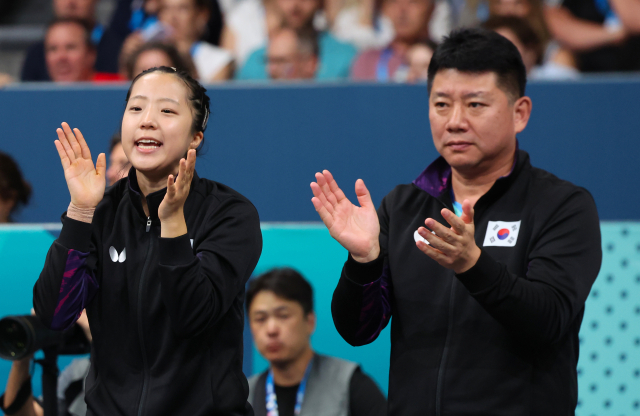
(148, 223)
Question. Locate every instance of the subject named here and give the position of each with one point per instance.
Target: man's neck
(471, 185)
(291, 373)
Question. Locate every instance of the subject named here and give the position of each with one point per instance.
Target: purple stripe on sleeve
(77, 289)
(376, 308)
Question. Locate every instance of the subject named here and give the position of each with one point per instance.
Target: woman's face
(156, 126)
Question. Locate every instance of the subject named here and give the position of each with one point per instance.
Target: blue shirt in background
(335, 60)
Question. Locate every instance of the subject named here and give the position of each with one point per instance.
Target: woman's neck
(150, 185)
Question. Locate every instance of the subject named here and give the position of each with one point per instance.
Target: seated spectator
(15, 191)
(69, 52)
(248, 27)
(520, 33)
(556, 62)
(17, 399)
(418, 59)
(280, 310)
(411, 25)
(292, 56)
(34, 67)
(186, 21)
(154, 54)
(335, 57)
(118, 163)
(361, 24)
(135, 22)
(604, 35)
(524, 37)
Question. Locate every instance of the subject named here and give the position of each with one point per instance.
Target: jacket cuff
(481, 276)
(364, 273)
(75, 235)
(175, 251)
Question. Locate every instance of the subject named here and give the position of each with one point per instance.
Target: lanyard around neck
(272, 400)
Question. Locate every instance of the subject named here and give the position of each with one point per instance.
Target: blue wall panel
(609, 365)
(268, 142)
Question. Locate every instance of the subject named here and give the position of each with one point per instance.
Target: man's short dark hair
(285, 283)
(116, 139)
(477, 51)
(85, 25)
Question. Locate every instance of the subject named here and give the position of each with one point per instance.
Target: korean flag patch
(502, 234)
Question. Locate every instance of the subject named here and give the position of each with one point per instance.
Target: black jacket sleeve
(67, 282)
(562, 266)
(365, 398)
(364, 286)
(199, 289)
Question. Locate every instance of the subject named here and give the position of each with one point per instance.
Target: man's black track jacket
(499, 339)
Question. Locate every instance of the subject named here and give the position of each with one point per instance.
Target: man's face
(474, 122)
(410, 18)
(297, 13)
(280, 329)
(150, 59)
(68, 57)
(284, 62)
(184, 17)
(80, 9)
(118, 165)
(517, 8)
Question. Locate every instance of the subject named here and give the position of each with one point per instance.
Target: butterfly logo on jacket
(115, 257)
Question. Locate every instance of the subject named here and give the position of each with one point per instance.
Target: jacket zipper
(145, 363)
(445, 351)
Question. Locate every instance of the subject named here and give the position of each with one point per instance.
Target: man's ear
(311, 321)
(197, 139)
(521, 113)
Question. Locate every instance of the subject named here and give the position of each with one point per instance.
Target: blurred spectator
(118, 163)
(335, 56)
(135, 22)
(411, 25)
(282, 320)
(69, 52)
(292, 55)
(15, 191)
(154, 54)
(34, 67)
(248, 26)
(418, 59)
(186, 21)
(362, 24)
(522, 35)
(5, 79)
(603, 34)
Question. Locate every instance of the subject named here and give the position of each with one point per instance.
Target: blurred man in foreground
(300, 381)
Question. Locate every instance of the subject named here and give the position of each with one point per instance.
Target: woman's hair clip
(174, 69)
(206, 118)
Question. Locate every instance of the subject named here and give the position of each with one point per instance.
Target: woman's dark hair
(178, 61)
(285, 283)
(13, 186)
(522, 29)
(478, 51)
(197, 97)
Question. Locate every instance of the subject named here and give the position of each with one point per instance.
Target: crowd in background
(375, 40)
